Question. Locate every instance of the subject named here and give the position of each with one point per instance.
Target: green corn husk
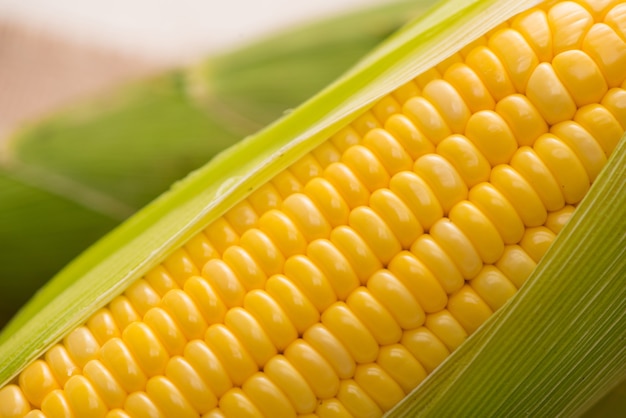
(70, 178)
(553, 350)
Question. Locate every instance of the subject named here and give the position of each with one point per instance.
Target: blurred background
(53, 52)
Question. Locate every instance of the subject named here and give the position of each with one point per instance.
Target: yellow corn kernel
(83, 399)
(36, 413)
(160, 280)
(286, 183)
(522, 117)
(180, 266)
(296, 305)
(446, 328)
(114, 413)
(184, 311)
(271, 317)
(326, 154)
(533, 26)
(581, 76)
(467, 307)
(397, 299)
(347, 328)
(400, 364)
(418, 196)
(282, 231)
(242, 217)
(375, 232)
(356, 401)
(311, 281)
(332, 408)
(378, 385)
(327, 198)
(499, 211)
(348, 186)
(36, 381)
(414, 142)
(251, 335)
(268, 398)
(314, 368)
(493, 287)
(12, 402)
(245, 268)
(55, 404)
(443, 179)
(601, 124)
(305, 169)
(362, 259)
(112, 394)
(166, 330)
(221, 234)
(139, 404)
(520, 193)
(569, 23)
(470, 87)
(615, 102)
(123, 312)
(235, 403)
(142, 296)
(516, 264)
(200, 249)
(264, 198)
(366, 167)
(263, 251)
(456, 244)
(61, 364)
(479, 230)
(557, 220)
(333, 264)
(306, 216)
(237, 361)
(102, 325)
(492, 136)
(221, 278)
(168, 398)
(374, 316)
(471, 165)
(364, 123)
(516, 55)
(426, 347)
(549, 95)
(439, 263)
(565, 166)
(283, 374)
(388, 150)
(117, 358)
(329, 347)
(426, 119)
(207, 364)
(416, 275)
(533, 169)
(491, 71)
(405, 92)
(616, 19)
(536, 242)
(449, 104)
(606, 48)
(397, 216)
(191, 385)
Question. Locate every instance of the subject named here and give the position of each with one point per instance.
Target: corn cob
(335, 288)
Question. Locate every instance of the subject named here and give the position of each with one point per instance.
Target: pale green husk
(460, 386)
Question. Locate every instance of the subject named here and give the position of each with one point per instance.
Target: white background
(170, 29)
